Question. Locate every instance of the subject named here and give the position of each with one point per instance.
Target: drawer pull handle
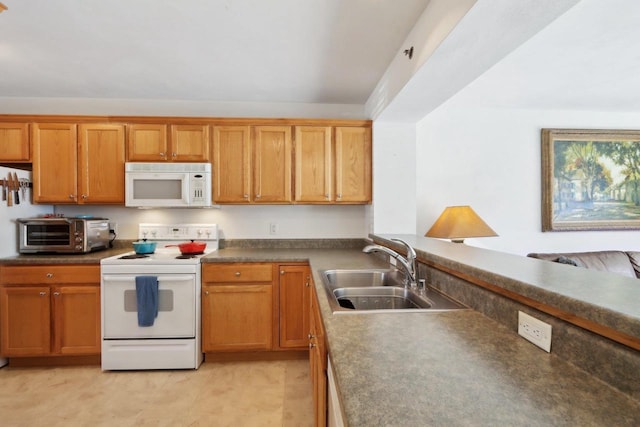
(49, 275)
(55, 294)
(237, 274)
(42, 293)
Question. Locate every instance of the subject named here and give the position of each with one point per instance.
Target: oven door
(176, 307)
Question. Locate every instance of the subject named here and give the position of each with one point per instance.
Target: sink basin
(357, 278)
(379, 298)
(371, 290)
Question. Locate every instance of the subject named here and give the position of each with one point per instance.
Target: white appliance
(173, 341)
(168, 185)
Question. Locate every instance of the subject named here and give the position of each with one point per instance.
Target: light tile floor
(273, 393)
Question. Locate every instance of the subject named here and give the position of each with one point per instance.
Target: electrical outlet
(273, 228)
(535, 330)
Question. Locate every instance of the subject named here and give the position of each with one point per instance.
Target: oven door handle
(161, 278)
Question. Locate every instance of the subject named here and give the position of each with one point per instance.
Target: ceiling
(587, 59)
(311, 51)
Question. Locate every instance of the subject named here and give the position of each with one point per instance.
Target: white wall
(180, 108)
(8, 215)
(243, 222)
(491, 160)
(394, 178)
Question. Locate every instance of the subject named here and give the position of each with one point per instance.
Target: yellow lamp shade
(457, 223)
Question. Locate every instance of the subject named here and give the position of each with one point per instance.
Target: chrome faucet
(409, 263)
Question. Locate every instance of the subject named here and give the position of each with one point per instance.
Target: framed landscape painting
(590, 180)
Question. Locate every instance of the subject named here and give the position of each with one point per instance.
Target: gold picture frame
(590, 180)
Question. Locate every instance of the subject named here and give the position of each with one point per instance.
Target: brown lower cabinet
(318, 362)
(49, 310)
(254, 307)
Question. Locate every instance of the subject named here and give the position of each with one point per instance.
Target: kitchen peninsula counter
(450, 368)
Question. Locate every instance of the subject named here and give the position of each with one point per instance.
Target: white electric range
(173, 340)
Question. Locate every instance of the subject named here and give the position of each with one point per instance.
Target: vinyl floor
(269, 393)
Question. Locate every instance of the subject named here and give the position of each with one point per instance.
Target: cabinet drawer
(236, 273)
(43, 274)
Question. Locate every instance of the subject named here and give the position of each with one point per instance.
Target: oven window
(156, 189)
(165, 300)
(48, 234)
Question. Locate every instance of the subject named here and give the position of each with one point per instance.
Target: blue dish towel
(147, 298)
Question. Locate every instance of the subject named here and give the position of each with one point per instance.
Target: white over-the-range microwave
(168, 185)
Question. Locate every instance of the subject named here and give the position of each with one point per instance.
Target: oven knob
(78, 239)
(79, 247)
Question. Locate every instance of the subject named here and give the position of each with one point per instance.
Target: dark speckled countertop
(451, 368)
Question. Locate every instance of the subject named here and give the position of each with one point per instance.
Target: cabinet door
(14, 142)
(353, 165)
(231, 164)
(313, 176)
(76, 319)
(272, 164)
(318, 361)
(101, 163)
(25, 321)
(147, 143)
(54, 163)
(190, 143)
(294, 306)
(237, 317)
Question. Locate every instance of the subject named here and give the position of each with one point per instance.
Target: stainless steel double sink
(353, 291)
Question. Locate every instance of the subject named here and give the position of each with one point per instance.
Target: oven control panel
(207, 232)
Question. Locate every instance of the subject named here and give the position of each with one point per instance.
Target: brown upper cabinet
(78, 164)
(333, 165)
(14, 142)
(353, 165)
(252, 164)
(168, 143)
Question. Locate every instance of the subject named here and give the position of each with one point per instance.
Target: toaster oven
(62, 235)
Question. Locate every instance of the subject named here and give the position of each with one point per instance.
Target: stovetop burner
(134, 256)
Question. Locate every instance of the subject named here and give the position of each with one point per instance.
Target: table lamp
(459, 222)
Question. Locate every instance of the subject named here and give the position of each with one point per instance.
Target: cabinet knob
(282, 272)
(84, 197)
(206, 292)
(42, 293)
(257, 196)
(49, 275)
(237, 274)
(174, 155)
(339, 196)
(326, 196)
(311, 345)
(71, 196)
(310, 336)
(162, 155)
(55, 294)
(246, 196)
